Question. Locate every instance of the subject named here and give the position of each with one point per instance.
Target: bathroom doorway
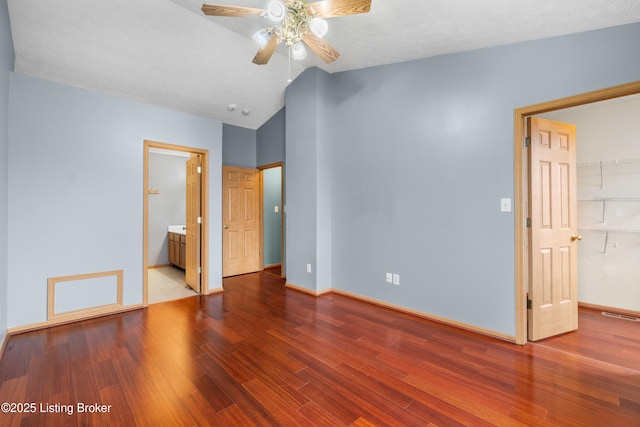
(175, 222)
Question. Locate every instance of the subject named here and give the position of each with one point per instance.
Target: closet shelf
(633, 162)
(610, 199)
(609, 230)
(599, 167)
(605, 200)
(606, 232)
(602, 169)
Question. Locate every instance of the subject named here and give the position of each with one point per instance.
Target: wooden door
(241, 221)
(193, 222)
(553, 229)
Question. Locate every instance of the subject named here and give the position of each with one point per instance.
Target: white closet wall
(608, 137)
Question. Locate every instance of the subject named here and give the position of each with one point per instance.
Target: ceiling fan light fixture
(276, 11)
(319, 27)
(298, 51)
(295, 21)
(262, 38)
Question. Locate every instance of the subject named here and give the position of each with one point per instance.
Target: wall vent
(620, 316)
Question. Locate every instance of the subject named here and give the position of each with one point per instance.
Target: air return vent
(620, 316)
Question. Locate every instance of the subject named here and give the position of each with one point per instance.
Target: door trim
(520, 184)
(192, 276)
(282, 249)
(204, 209)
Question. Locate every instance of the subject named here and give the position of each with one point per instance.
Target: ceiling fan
(295, 23)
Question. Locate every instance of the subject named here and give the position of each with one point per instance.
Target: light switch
(505, 205)
(276, 209)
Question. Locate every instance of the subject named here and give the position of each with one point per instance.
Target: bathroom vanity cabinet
(177, 249)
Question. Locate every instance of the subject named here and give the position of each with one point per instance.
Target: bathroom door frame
(204, 206)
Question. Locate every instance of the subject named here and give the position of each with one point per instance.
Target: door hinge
(199, 270)
(199, 220)
(199, 169)
(528, 222)
(528, 304)
(527, 141)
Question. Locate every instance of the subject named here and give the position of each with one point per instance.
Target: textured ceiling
(167, 53)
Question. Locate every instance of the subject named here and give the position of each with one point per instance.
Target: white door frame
(520, 184)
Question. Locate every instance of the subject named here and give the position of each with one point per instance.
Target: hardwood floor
(260, 354)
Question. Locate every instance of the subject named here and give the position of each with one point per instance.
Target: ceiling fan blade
(320, 47)
(264, 54)
(333, 8)
(220, 10)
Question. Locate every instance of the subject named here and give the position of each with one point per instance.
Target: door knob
(575, 237)
(225, 226)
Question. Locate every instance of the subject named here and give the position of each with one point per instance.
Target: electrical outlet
(389, 278)
(308, 268)
(396, 279)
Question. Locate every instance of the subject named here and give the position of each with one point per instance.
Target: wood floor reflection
(260, 354)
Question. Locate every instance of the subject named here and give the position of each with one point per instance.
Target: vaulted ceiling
(168, 53)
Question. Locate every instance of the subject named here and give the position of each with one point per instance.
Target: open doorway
(273, 218)
(167, 241)
(520, 178)
(608, 202)
(175, 222)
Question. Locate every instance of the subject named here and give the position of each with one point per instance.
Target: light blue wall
(324, 185)
(6, 65)
(301, 179)
(239, 146)
(270, 147)
(76, 184)
(272, 196)
(249, 148)
(168, 175)
(270, 140)
(417, 156)
(308, 181)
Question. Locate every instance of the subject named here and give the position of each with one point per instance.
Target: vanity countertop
(178, 229)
